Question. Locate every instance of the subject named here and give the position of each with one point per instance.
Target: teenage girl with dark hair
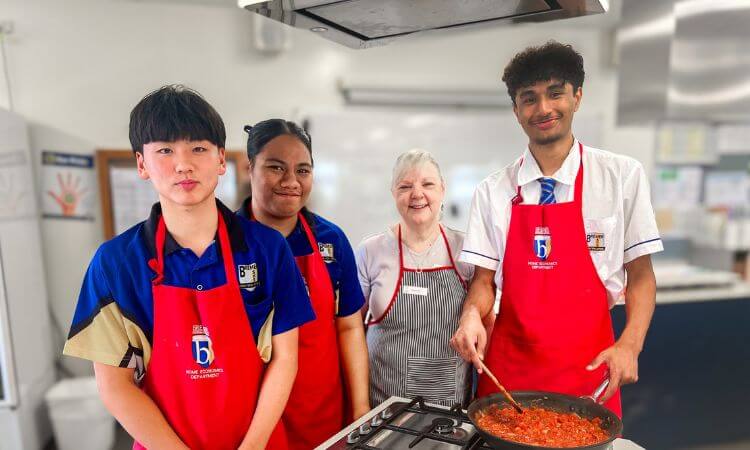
(281, 179)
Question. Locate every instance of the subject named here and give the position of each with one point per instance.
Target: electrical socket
(6, 27)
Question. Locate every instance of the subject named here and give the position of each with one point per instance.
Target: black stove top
(415, 425)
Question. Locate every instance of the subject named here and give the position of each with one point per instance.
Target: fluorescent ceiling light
(426, 97)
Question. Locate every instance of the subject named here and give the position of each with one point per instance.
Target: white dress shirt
(617, 212)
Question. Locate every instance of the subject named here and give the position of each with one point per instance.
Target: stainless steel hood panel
(644, 40)
(710, 61)
(366, 23)
(684, 60)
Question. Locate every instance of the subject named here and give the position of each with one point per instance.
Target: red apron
(315, 410)
(205, 371)
(554, 318)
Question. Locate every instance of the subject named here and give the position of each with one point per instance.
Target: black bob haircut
(264, 132)
(552, 60)
(173, 113)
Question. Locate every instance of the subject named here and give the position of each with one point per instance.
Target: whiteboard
(354, 151)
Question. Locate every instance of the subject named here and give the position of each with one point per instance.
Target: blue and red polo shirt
(337, 253)
(114, 319)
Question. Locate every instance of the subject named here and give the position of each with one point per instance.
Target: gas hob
(401, 423)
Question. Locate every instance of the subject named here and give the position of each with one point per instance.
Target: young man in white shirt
(559, 231)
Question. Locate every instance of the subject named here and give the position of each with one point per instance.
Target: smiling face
(184, 173)
(419, 194)
(545, 110)
(281, 177)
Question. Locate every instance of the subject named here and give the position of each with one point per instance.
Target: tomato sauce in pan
(542, 427)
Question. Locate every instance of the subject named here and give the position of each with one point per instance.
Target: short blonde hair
(410, 159)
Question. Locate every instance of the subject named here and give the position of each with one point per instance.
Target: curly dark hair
(543, 63)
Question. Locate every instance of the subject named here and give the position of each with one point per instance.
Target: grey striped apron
(409, 346)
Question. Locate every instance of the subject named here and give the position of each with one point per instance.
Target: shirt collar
(244, 210)
(234, 229)
(566, 174)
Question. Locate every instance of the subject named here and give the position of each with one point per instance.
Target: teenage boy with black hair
(559, 231)
(191, 316)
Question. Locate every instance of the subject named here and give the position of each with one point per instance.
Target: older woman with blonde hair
(414, 291)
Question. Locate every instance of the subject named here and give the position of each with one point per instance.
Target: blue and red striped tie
(548, 191)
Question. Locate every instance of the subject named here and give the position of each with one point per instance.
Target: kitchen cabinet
(694, 372)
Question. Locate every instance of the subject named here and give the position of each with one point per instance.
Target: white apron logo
(326, 251)
(542, 243)
(248, 276)
(203, 352)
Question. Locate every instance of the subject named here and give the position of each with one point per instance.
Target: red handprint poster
(67, 184)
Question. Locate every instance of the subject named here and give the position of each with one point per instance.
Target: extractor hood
(684, 60)
(710, 61)
(367, 23)
(644, 43)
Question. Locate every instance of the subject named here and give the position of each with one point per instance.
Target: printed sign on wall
(68, 179)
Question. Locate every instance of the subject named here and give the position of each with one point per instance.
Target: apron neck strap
(518, 199)
(400, 251)
(157, 264)
(447, 247)
(578, 189)
(310, 236)
(450, 256)
(226, 251)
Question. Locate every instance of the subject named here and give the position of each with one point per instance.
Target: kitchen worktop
(735, 290)
(679, 281)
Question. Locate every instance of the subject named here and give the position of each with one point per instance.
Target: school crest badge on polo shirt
(542, 243)
(595, 242)
(248, 276)
(203, 352)
(326, 251)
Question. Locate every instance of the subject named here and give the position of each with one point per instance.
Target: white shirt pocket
(600, 240)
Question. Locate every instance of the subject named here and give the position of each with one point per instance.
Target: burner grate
(439, 430)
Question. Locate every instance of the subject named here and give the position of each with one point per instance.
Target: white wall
(79, 66)
(26, 350)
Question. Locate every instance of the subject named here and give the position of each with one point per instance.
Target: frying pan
(583, 406)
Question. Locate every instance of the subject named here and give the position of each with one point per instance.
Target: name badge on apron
(415, 290)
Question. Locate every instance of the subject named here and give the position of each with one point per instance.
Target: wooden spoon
(507, 395)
